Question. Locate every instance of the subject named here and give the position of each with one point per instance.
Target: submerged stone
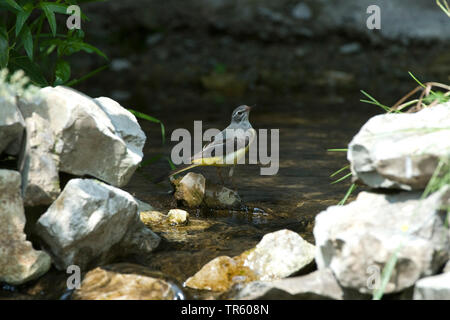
(178, 217)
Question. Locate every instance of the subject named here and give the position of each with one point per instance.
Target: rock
(277, 255)
(280, 254)
(12, 126)
(401, 151)
(220, 197)
(353, 239)
(19, 262)
(92, 223)
(190, 190)
(447, 267)
(302, 11)
(433, 288)
(151, 218)
(178, 217)
(220, 274)
(123, 281)
(418, 20)
(39, 162)
(320, 284)
(95, 137)
(126, 126)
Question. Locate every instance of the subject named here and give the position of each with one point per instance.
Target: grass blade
(343, 178)
(347, 195)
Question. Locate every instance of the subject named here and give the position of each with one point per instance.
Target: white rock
(280, 254)
(19, 262)
(92, 222)
(178, 216)
(89, 140)
(356, 239)
(12, 127)
(190, 189)
(433, 288)
(320, 284)
(39, 163)
(401, 150)
(125, 125)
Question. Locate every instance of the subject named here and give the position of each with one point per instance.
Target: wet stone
(277, 255)
(123, 282)
(178, 217)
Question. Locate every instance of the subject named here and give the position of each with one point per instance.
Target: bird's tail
(174, 172)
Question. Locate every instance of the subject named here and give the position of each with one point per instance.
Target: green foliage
(24, 44)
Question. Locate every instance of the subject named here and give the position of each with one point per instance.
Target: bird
(239, 132)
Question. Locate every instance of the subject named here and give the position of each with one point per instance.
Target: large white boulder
(357, 240)
(19, 262)
(401, 150)
(92, 223)
(95, 137)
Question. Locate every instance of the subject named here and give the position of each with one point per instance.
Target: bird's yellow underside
(228, 160)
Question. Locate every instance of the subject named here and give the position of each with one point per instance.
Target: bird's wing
(216, 151)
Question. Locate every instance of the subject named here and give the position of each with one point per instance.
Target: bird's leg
(230, 174)
(219, 173)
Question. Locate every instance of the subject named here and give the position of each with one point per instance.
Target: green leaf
(72, 45)
(144, 116)
(47, 8)
(151, 119)
(21, 18)
(339, 171)
(347, 195)
(31, 69)
(343, 178)
(4, 47)
(57, 7)
(337, 150)
(14, 4)
(62, 72)
(85, 77)
(27, 40)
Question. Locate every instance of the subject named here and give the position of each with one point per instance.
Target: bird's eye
(239, 113)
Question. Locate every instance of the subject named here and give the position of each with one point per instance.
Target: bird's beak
(247, 108)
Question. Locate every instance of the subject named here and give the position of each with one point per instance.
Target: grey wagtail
(239, 134)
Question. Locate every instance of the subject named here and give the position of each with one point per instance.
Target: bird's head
(240, 114)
